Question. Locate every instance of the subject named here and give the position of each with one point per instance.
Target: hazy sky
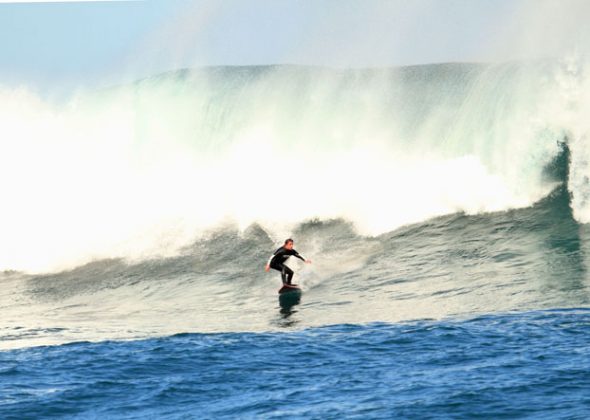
(65, 43)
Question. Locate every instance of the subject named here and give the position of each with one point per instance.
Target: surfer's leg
(279, 267)
(287, 274)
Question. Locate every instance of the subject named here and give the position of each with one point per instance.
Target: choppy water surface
(513, 365)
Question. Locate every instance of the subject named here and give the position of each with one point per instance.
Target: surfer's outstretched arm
(301, 257)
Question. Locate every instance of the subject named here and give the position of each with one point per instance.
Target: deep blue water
(531, 364)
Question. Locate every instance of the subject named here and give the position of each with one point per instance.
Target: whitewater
(146, 168)
(444, 206)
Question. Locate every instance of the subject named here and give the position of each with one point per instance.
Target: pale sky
(71, 43)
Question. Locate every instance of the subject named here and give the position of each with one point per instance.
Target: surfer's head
(288, 244)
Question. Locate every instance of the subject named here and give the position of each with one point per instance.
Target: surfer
(277, 261)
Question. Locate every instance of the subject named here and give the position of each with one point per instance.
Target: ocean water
(531, 364)
(444, 207)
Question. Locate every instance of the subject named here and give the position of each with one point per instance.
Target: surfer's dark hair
(288, 240)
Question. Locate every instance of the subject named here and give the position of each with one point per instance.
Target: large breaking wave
(142, 170)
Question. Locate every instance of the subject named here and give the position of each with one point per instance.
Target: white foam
(143, 169)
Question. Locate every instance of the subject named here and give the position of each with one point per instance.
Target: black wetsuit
(277, 262)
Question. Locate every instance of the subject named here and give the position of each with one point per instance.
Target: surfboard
(289, 296)
(289, 288)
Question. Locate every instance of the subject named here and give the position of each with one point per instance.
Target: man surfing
(277, 261)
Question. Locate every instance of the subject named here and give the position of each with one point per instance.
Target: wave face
(451, 266)
(142, 170)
